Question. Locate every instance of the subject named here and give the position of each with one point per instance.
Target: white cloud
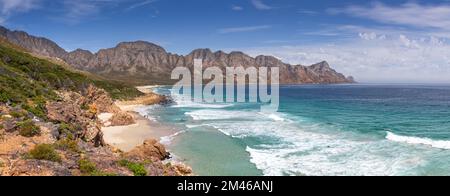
(408, 14)
(393, 58)
(260, 5)
(237, 8)
(372, 36)
(9, 7)
(243, 29)
(140, 4)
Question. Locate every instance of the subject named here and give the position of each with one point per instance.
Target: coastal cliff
(49, 123)
(142, 62)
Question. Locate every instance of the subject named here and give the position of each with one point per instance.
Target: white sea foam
(418, 141)
(183, 102)
(210, 114)
(318, 154)
(167, 140)
(218, 114)
(193, 126)
(200, 105)
(289, 148)
(274, 116)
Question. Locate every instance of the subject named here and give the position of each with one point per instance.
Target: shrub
(18, 114)
(86, 166)
(3, 97)
(66, 131)
(85, 107)
(67, 145)
(28, 129)
(38, 110)
(137, 168)
(45, 152)
(90, 169)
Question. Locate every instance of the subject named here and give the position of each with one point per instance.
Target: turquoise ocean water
(318, 130)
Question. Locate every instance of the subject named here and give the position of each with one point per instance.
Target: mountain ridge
(147, 63)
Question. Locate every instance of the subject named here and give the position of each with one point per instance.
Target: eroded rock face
(69, 110)
(151, 149)
(99, 99)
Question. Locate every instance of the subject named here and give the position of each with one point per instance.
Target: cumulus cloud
(374, 57)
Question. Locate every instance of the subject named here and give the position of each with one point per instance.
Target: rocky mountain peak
(36, 45)
(82, 51)
(147, 62)
(267, 60)
(201, 53)
(321, 66)
(141, 46)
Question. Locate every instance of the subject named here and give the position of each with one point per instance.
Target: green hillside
(30, 81)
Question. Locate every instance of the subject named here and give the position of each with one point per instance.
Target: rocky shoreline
(71, 141)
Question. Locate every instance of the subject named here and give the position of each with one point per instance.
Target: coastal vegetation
(28, 129)
(49, 116)
(138, 169)
(45, 152)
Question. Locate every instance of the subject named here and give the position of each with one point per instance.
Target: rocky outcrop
(155, 153)
(146, 62)
(82, 111)
(122, 119)
(150, 150)
(99, 100)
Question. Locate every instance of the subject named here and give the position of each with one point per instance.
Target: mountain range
(143, 62)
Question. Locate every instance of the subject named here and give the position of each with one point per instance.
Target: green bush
(37, 110)
(67, 145)
(18, 114)
(85, 107)
(137, 168)
(86, 166)
(27, 128)
(3, 97)
(90, 169)
(45, 152)
(66, 131)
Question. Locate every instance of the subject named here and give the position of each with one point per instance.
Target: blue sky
(391, 41)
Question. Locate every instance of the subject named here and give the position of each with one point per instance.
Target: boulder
(183, 170)
(122, 119)
(151, 149)
(9, 125)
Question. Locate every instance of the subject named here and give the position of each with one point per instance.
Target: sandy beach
(126, 138)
